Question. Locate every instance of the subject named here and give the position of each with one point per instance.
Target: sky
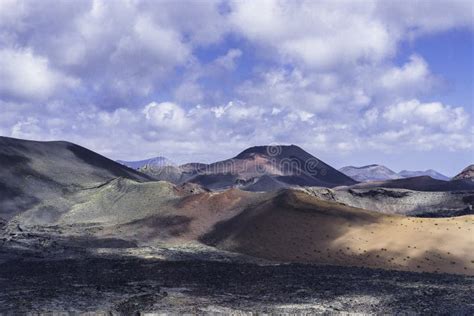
(352, 82)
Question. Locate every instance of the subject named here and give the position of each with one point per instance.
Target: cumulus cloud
(166, 115)
(238, 111)
(27, 76)
(423, 17)
(328, 34)
(189, 91)
(434, 114)
(26, 128)
(411, 78)
(319, 34)
(122, 50)
(228, 60)
(290, 89)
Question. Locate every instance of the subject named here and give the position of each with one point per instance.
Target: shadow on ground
(130, 285)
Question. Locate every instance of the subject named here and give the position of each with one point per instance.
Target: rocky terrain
(69, 216)
(400, 201)
(130, 286)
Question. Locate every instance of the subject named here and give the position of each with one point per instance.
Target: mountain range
(58, 198)
(267, 168)
(376, 172)
(370, 173)
(259, 168)
(430, 172)
(155, 162)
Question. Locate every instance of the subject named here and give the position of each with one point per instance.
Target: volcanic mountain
(466, 174)
(263, 168)
(370, 173)
(43, 174)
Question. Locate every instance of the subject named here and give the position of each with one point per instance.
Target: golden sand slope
(293, 226)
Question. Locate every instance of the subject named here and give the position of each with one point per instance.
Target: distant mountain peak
(371, 166)
(286, 165)
(155, 162)
(371, 172)
(466, 174)
(429, 172)
(273, 151)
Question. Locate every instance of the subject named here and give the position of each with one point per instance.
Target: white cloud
(434, 114)
(120, 49)
(27, 128)
(11, 11)
(424, 17)
(189, 91)
(370, 116)
(285, 89)
(237, 111)
(321, 34)
(202, 21)
(166, 115)
(163, 44)
(232, 115)
(413, 77)
(328, 34)
(27, 76)
(228, 60)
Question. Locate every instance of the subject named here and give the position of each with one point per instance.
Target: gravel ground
(50, 272)
(128, 286)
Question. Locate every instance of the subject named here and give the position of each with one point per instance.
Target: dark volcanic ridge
(33, 173)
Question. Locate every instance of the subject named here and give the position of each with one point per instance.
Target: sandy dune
(296, 227)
